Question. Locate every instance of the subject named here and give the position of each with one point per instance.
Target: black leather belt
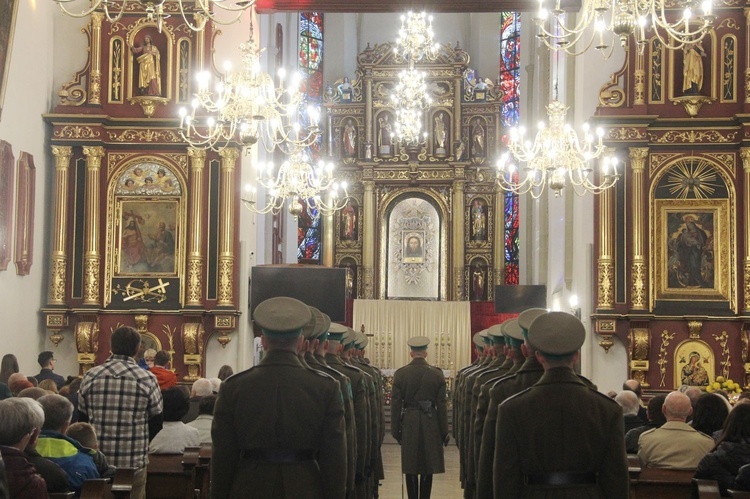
(558, 479)
(279, 456)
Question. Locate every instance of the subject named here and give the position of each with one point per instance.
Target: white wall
(29, 95)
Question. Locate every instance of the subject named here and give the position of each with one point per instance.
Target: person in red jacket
(22, 420)
(166, 378)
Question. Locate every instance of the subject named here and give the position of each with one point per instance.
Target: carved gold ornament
(663, 362)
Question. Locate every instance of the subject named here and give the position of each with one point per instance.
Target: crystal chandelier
(247, 107)
(414, 41)
(201, 11)
(556, 158)
(409, 99)
(622, 18)
(299, 185)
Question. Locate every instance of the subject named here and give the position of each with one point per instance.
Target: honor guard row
(307, 421)
(527, 425)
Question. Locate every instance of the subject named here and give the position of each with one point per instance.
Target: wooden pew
(94, 488)
(172, 476)
(122, 483)
(657, 483)
(739, 494)
(203, 471)
(61, 495)
(707, 489)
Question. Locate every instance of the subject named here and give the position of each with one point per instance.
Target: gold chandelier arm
(87, 12)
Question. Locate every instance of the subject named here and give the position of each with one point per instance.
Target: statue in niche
(349, 222)
(478, 220)
(349, 139)
(440, 133)
(149, 67)
(478, 280)
(692, 70)
(345, 90)
(384, 135)
(478, 140)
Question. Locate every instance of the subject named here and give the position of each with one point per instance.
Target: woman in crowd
(710, 413)
(8, 366)
(731, 452)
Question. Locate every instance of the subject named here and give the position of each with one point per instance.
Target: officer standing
(419, 420)
(278, 428)
(560, 438)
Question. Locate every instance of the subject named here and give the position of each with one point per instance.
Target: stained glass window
(310, 63)
(510, 77)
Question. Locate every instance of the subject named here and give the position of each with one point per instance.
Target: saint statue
(349, 222)
(692, 72)
(384, 135)
(440, 131)
(350, 139)
(149, 67)
(478, 283)
(478, 221)
(477, 140)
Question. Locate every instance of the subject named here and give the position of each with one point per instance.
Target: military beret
(418, 343)
(282, 315)
(336, 331)
(557, 333)
(512, 329)
(526, 317)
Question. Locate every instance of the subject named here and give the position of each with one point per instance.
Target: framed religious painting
(8, 12)
(693, 258)
(148, 238)
(6, 202)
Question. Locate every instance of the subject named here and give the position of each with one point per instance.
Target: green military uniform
(278, 428)
(378, 473)
(559, 438)
(361, 407)
(318, 363)
(419, 419)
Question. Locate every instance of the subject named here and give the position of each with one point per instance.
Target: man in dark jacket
(419, 420)
(560, 437)
(655, 419)
(47, 362)
(22, 420)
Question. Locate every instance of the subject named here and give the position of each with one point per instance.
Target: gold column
(368, 109)
(95, 89)
(226, 226)
(458, 240)
(59, 257)
(92, 237)
(639, 270)
(640, 79)
(747, 57)
(195, 257)
(606, 263)
(368, 240)
(498, 247)
(745, 155)
(457, 107)
(328, 239)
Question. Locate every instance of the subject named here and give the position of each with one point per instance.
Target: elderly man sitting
(69, 454)
(22, 419)
(676, 444)
(201, 388)
(630, 405)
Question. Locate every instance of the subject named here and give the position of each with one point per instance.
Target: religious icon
(693, 373)
(413, 249)
(691, 260)
(147, 237)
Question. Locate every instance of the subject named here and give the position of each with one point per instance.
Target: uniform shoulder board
(321, 373)
(238, 375)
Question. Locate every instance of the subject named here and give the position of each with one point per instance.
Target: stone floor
(444, 486)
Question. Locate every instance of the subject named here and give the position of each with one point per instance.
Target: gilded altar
(672, 247)
(144, 227)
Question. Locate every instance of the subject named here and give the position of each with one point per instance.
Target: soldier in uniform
(560, 438)
(278, 428)
(419, 420)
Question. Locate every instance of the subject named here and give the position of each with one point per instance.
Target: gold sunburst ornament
(696, 177)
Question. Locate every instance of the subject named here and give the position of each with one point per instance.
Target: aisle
(444, 486)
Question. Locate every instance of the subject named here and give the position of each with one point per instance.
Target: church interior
(111, 217)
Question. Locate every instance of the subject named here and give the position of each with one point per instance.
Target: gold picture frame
(693, 253)
(8, 14)
(694, 364)
(148, 238)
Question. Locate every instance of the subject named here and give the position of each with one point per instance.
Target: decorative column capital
(638, 157)
(745, 155)
(229, 155)
(62, 154)
(94, 155)
(196, 154)
(96, 19)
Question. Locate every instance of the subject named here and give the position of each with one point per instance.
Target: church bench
(122, 483)
(707, 489)
(203, 470)
(658, 483)
(739, 494)
(61, 495)
(172, 476)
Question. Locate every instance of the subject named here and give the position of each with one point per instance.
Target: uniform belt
(558, 479)
(279, 456)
